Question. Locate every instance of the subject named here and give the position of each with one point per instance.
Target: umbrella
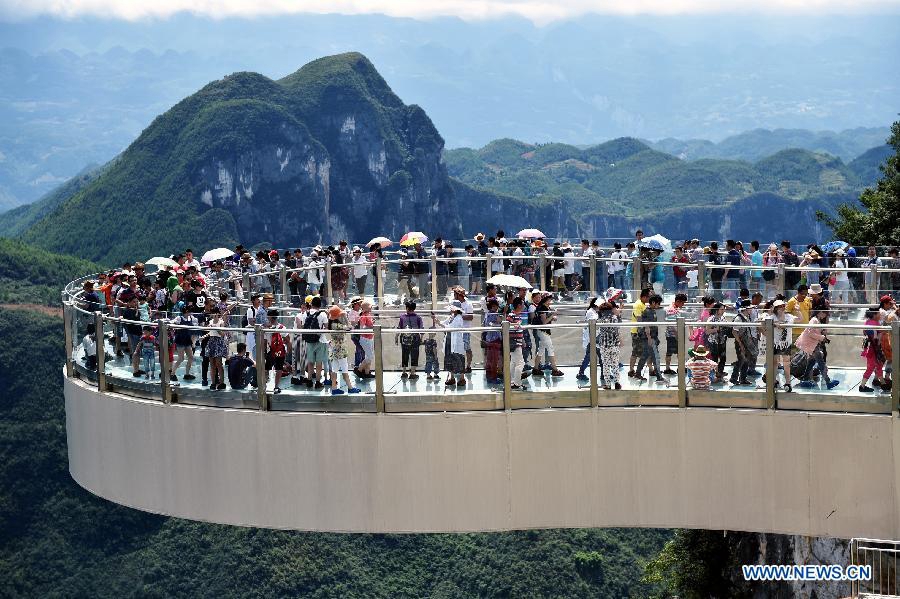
(504, 280)
(217, 254)
(413, 237)
(162, 262)
(651, 244)
(530, 234)
(383, 241)
(834, 245)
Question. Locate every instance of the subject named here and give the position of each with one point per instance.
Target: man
(799, 307)
(733, 276)
(360, 270)
(90, 299)
(616, 267)
(440, 268)
(637, 340)
(650, 340)
(756, 259)
(316, 346)
(421, 269)
(746, 345)
(250, 321)
(241, 368)
(189, 259)
(790, 258)
(468, 316)
(638, 237)
(680, 272)
(600, 272)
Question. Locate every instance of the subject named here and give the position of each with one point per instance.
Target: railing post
(701, 276)
(285, 296)
(593, 275)
(872, 284)
(165, 365)
(507, 382)
(379, 283)
(260, 359)
(542, 273)
(895, 360)
(101, 351)
(781, 277)
(771, 366)
(245, 283)
(379, 369)
(636, 274)
(434, 285)
(70, 338)
(592, 356)
(681, 339)
(329, 293)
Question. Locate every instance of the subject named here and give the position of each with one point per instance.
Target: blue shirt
(756, 259)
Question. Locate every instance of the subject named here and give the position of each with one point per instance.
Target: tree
(878, 221)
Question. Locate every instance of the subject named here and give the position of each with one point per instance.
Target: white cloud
(540, 11)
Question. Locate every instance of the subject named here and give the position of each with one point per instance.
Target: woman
(492, 342)
(545, 316)
(782, 346)
(366, 341)
(840, 282)
(339, 276)
(771, 260)
(698, 335)
(811, 342)
(716, 338)
(657, 273)
(217, 349)
(873, 353)
(456, 356)
(592, 313)
(610, 342)
(409, 342)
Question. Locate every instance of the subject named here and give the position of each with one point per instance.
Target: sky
(538, 11)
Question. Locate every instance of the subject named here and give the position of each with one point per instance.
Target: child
(701, 368)
(873, 353)
(241, 368)
(146, 349)
(337, 351)
(144, 309)
(409, 342)
(89, 343)
(431, 357)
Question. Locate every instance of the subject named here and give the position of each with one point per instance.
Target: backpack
(277, 348)
(183, 336)
(312, 322)
(245, 322)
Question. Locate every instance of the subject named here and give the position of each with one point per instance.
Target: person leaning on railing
(516, 343)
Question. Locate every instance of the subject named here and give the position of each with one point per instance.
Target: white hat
(816, 289)
(778, 304)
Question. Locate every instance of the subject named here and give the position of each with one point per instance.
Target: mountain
(328, 152)
(759, 143)
(867, 165)
(31, 275)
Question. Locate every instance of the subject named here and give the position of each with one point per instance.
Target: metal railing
(586, 394)
(881, 556)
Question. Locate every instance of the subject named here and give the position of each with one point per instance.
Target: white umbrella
(504, 280)
(665, 243)
(162, 262)
(531, 234)
(383, 241)
(217, 254)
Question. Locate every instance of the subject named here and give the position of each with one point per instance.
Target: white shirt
(569, 265)
(618, 263)
(457, 345)
(360, 267)
(591, 314)
(468, 308)
(194, 262)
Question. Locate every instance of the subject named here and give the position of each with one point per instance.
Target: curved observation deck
(416, 456)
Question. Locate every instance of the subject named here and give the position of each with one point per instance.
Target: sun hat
(355, 299)
(816, 289)
(459, 289)
(479, 236)
(455, 306)
(885, 299)
(308, 299)
(701, 351)
(334, 312)
(778, 304)
(355, 249)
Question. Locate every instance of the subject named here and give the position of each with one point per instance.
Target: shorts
(339, 365)
(783, 351)
(316, 353)
(274, 363)
(546, 343)
(368, 346)
(467, 342)
(637, 345)
(671, 346)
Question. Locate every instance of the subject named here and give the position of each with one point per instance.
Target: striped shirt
(701, 369)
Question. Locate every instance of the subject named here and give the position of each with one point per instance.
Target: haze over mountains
(78, 92)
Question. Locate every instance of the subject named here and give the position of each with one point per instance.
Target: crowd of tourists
(204, 301)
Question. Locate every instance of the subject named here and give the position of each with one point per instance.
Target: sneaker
(172, 377)
(450, 382)
(886, 385)
(865, 389)
(754, 372)
(137, 373)
(276, 390)
(833, 384)
(413, 377)
(525, 375)
(537, 373)
(669, 371)
(354, 390)
(582, 377)
(805, 384)
(460, 382)
(468, 369)
(660, 379)
(733, 381)
(327, 382)
(221, 387)
(309, 384)
(557, 373)
(189, 377)
(745, 382)
(295, 381)
(205, 383)
(404, 375)
(319, 386)
(632, 374)
(337, 391)
(617, 386)
(370, 375)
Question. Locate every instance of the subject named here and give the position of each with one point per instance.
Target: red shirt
(680, 272)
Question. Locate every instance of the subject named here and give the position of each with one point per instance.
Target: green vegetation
(695, 564)
(59, 540)
(877, 221)
(624, 177)
(30, 275)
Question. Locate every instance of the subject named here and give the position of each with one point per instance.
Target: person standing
(492, 342)
(360, 270)
(637, 340)
(756, 275)
(592, 313)
(651, 340)
(516, 343)
(610, 342)
(409, 342)
(746, 345)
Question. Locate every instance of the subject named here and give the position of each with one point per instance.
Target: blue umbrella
(834, 245)
(651, 244)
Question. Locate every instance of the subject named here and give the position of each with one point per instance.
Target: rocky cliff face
(329, 152)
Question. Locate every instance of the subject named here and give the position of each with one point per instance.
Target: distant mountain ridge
(759, 143)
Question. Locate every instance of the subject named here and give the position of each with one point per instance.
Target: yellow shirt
(801, 307)
(636, 310)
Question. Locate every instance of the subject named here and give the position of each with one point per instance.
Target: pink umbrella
(531, 234)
